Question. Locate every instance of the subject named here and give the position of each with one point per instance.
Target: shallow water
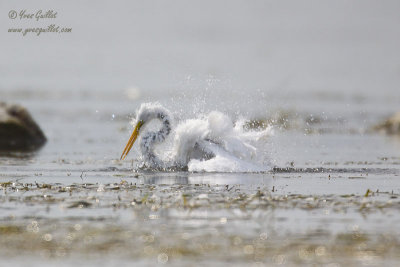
(331, 198)
(331, 195)
(322, 74)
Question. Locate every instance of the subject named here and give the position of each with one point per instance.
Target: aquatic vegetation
(187, 222)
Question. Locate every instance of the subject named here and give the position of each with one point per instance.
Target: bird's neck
(151, 138)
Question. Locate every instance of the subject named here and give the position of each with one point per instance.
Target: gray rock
(18, 131)
(390, 126)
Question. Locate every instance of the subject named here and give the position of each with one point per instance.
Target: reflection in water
(230, 178)
(170, 179)
(322, 170)
(17, 158)
(206, 178)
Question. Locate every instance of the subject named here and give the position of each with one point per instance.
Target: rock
(390, 126)
(18, 131)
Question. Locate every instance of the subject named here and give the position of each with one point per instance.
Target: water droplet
(162, 258)
(77, 227)
(263, 236)
(47, 237)
(248, 249)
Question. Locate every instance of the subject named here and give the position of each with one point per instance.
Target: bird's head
(146, 113)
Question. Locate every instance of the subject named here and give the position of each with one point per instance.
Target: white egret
(207, 143)
(186, 147)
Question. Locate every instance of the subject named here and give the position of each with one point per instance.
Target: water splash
(214, 143)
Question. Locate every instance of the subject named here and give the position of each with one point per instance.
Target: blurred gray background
(250, 54)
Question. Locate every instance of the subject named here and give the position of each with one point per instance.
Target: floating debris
(80, 205)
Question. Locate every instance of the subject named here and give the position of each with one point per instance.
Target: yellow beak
(132, 140)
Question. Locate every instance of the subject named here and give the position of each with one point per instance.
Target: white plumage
(209, 143)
